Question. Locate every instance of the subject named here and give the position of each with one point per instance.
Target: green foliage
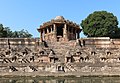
(9, 32)
(101, 24)
(21, 34)
(2, 31)
(6, 32)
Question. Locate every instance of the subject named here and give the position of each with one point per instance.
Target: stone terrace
(82, 56)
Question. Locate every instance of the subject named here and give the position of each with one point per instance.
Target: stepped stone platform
(59, 52)
(81, 57)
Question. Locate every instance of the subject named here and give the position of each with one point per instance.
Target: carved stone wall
(59, 29)
(86, 56)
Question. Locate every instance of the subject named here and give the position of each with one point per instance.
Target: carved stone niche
(60, 68)
(108, 53)
(52, 57)
(92, 53)
(68, 57)
(81, 59)
(103, 59)
(118, 58)
(78, 52)
(86, 58)
(41, 52)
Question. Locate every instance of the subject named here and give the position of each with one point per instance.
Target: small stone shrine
(59, 29)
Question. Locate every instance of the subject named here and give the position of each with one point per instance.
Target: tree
(101, 24)
(3, 32)
(9, 32)
(15, 34)
(6, 32)
(23, 34)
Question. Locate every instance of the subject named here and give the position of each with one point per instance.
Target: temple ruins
(59, 29)
(59, 52)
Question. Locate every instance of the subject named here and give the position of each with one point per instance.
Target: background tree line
(7, 32)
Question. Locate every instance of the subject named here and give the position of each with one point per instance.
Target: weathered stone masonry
(59, 53)
(59, 29)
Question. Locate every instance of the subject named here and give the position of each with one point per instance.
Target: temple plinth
(59, 29)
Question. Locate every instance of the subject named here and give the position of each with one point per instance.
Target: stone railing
(100, 42)
(4, 42)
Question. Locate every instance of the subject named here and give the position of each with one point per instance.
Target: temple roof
(58, 20)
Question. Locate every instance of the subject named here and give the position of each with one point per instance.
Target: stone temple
(59, 52)
(59, 29)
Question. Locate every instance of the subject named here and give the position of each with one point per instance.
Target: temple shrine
(59, 29)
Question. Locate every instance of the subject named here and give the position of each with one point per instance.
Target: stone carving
(74, 58)
(59, 53)
(59, 29)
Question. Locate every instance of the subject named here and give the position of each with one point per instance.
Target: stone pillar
(41, 36)
(47, 30)
(51, 29)
(68, 32)
(54, 26)
(65, 32)
(72, 35)
(75, 34)
(78, 35)
(55, 32)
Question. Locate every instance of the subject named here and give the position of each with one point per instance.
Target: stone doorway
(60, 32)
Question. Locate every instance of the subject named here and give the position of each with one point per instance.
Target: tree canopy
(101, 24)
(7, 32)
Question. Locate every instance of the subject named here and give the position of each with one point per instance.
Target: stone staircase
(61, 46)
(13, 68)
(25, 60)
(7, 60)
(33, 68)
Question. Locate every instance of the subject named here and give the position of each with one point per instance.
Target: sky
(30, 14)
